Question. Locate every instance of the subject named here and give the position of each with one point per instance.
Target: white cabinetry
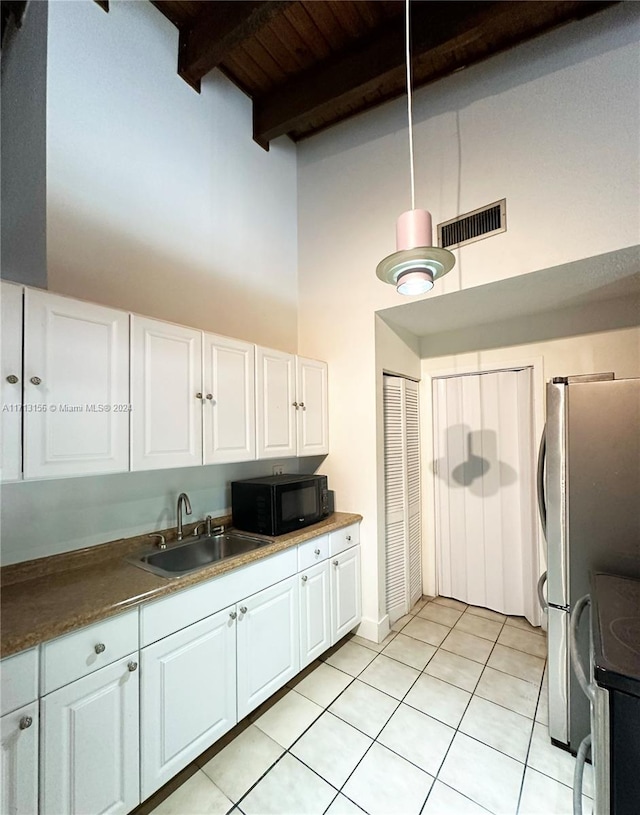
(229, 400)
(19, 734)
(291, 405)
(346, 604)
(188, 697)
(268, 645)
(11, 383)
(90, 744)
(76, 389)
(311, 410)
(315, 613)
(275, 410)
(166, 376)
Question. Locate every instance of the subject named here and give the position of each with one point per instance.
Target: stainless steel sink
(196, 553)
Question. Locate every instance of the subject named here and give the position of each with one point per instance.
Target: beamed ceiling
(309, 64)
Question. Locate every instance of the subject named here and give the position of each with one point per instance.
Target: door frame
(429, 548)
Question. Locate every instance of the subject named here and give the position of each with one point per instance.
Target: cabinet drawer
(19, 680)
(170, 614)
(85, 651)
(313, 551)
(344, 538)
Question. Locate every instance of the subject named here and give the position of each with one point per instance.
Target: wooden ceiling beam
(375, 66)
(219, 27)
(349, 75)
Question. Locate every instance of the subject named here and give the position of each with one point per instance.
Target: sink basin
(196, 553)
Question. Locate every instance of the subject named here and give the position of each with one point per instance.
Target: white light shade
(415, 282)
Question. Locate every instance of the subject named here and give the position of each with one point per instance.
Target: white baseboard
(372, 630)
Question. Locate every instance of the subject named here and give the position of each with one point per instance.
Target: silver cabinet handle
(336, 562)
(36, 380)
(302, 405)
(198, 395)
(295, 405)
(304, 578)
(316, 551)
(25, 721)
(243, 609)
(233, 614)
(209, 396)
(132, 666)
(99, 648)
(12, 379)
(348, 537)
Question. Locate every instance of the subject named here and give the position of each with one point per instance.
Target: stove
(615, 625)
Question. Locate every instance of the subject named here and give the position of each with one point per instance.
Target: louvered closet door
(402, 495)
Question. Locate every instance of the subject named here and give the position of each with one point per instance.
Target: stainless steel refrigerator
(589, 495)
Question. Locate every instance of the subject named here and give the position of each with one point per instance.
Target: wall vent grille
(473, 226)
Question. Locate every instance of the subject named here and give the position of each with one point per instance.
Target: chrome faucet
(183, 498)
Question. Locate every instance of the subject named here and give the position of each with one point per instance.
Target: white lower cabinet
(268, 643)
(19, 780)
(90, 744)
(188, 697)
(315, 613)
(346, 603)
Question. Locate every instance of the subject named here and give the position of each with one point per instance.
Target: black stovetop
(616, 632)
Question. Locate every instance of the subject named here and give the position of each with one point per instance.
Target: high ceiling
(309, 64)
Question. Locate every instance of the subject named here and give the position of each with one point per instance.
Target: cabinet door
(275, 409)
(19, 787)
(312, 410)
(166, 377)
(76, 391)
(346, 605)
(229, 400)
(90, 751)
(188, 696)
(315, 613)
(11, 384)
(268, 645)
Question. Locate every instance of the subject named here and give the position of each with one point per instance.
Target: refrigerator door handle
(542, 499)
(576, 663)
(544, 605)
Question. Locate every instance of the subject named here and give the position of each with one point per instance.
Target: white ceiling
(595, 294)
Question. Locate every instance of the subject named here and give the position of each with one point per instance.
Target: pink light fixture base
(414, 267)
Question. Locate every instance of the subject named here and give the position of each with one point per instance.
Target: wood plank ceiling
(309, 64)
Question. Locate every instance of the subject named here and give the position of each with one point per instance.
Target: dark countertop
(42, 599)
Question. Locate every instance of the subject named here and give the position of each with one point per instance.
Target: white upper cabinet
(229, 400)
(275, 408)
(166, 385)
(76, 389)
(311, 409)
(291, 405)
(11, 387)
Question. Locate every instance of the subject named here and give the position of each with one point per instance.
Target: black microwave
(279, 504)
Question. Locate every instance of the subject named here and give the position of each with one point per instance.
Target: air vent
(473, 226)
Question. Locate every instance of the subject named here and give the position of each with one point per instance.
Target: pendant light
(415, 265)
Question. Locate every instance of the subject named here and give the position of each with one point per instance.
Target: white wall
(535, 125)
(23, 157)
(617, 351)
(41, 518)
(158, 200)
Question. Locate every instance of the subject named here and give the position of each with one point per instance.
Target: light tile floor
(447, 716)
